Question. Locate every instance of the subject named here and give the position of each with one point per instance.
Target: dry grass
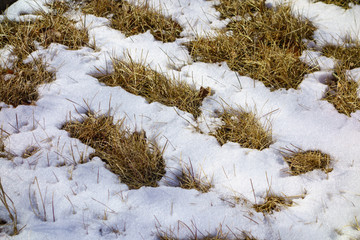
(11, 210)
(143, 81)
(272, 203)
(343, 90)
(137, 161)
(301, 161)
(341, 3)
(131, 19)
(48, 28)
(195, 234)
(244, 128)
(19, 84)
(188, 179)
(264, 43)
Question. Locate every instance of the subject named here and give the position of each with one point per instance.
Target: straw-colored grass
(46, 29)
(9, 206)
(272, 203)
(343, 90)
(131, 19)
(301, 161)
(341, 3)
(155, 87)
(243, 128)
(136, 160)
(262, 43)
(19, 84)
(187, 178)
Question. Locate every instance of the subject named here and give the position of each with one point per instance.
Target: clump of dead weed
(260, 42)
(136, 160)
(134, 19)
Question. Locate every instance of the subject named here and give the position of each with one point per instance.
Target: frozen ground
(81, 195)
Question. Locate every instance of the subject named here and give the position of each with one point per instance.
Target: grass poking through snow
(18, 84)
(260, 42)
(341, 3)
(143, 81)
(244, 128)
(131, 19)
(343, 90)
(137, 161)
(272, 203)
(301, 161)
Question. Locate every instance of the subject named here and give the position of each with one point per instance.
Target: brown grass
(342, 93)
(301, 161)
(342, 90)
(188, 179)
(341, 3)
(19, 84)
(244, 128)
(143, 81)
(131, 19)
(272, 203)
(136, 160)
(264, 44)
(48, 28)
(195, 234)
(9, 206)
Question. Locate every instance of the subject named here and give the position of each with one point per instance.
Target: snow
(83, 194)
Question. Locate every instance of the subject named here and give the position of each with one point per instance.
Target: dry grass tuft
(341, 3)
(188, 179)
(10, 209)
(244, 128)
(259, 42)
(301, 161)
(46, 29)
(143, 81)
(18, 85)
(137, 161)
(131, 19)
(195, 234)
(343, 91)
(272, 203)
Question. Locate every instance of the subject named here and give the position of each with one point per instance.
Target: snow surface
(84, 193)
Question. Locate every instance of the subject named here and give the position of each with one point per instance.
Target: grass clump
(243, 128)
(195, 234)
(342, 3)
(272, 203)
(137, 161)
(131, 19)
(301, 161)
(155, 87)
(343, 90)
(19, 84)
(259, 42)
(46, 29)
(188, 179)
(11, 210)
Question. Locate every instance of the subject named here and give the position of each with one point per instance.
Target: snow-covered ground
(82, 195)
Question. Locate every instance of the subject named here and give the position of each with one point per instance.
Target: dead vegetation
(187, 178)
(136, 160)
(244, 128)
(155, 87)
(341, 3)
(272, 203)
(19, 81)
(11, 210)
(260, 42)
(131, 19)
(301, 161)
(195, 234)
